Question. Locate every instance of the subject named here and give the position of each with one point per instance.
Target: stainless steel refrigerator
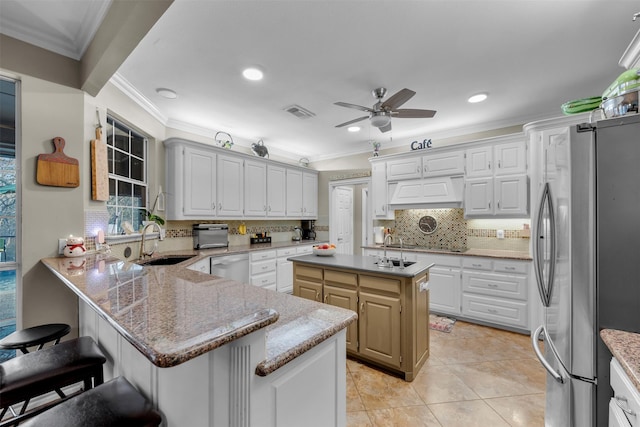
(586, 252)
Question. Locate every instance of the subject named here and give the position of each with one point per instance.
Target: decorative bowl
(324, 252)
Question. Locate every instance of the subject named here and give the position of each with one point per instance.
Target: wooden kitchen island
(392, 303)
(209, 351)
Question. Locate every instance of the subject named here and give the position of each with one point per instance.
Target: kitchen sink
(396, 263)
(397, 246)
(165, 260)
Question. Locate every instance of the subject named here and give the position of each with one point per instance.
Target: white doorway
(343, 214)
(349, 217)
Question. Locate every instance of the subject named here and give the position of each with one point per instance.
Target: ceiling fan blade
(357, 107)
(386, 128)
(411, 113)
(352, 121)
(398, 99)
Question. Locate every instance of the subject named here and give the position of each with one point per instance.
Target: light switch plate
(61, 244)
(500, 234)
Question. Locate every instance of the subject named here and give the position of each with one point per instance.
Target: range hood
(440, 192)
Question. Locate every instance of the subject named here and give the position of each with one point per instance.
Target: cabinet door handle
(265, 208)
(317, 296)
(361, 307)
(219, 206)
(325, 298)
(489, 204)
(618, 400)
(269, 208)
(489, 164)
(418, 169)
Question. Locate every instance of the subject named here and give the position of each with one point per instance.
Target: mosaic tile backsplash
(454, 232)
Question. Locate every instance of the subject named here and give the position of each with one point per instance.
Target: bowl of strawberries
(324, 249)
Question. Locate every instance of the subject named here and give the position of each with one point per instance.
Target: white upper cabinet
(406, 168)
(431, 165)
(205, 182)
(442, 164)
(276, 191)
(496, 181)
(479, 161)
(230, 189)
(510, 158)
(379, 191)
(199, 183)
(255, 190)
(294, 193)
(309, 195)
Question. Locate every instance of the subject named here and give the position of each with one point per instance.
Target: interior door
(343, 207)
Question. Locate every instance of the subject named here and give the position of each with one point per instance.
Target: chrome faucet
(386, 262)
(144, 253)
(401, 255)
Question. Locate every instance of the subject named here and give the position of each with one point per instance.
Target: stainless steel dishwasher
(234, 267)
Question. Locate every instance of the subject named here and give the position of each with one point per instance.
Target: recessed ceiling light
(478, 98)
(353, 128)
(166, 93)
(252, 73)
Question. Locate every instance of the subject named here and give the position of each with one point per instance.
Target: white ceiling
(529, 55)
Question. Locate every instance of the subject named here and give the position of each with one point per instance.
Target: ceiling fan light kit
(381, 112)
(379, 120)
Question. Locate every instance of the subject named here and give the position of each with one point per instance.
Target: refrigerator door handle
(534, 342)
(545, 286)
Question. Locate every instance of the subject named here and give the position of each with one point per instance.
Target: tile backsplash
(456, 232)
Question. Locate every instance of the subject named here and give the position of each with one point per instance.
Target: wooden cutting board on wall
(57, 169)
(99, 168)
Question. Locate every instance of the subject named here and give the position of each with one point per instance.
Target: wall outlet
(61, 244)
(500, 234)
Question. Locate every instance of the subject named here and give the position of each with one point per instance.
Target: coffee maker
(308, 230)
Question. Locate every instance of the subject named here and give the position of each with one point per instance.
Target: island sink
(396, 263)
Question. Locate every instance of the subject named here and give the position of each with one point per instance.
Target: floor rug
(440, 323)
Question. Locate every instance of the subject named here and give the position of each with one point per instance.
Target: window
(127, 153)
(9, 208)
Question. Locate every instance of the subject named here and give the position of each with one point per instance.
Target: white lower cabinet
(496, 291)
(624, 406)
(262, 269)
(270, 268)
(444, 283)
(284, 269)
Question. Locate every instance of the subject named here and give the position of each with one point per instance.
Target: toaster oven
(210, 236)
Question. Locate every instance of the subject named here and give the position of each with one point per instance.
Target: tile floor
(475, 376)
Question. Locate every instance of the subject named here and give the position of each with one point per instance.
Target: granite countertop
(172, 314)
(238, 249)
(361, 263)
(490, 253)
(625, 347)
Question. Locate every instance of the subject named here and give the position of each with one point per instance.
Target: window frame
(131, 212)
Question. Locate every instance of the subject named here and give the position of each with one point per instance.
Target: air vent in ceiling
(299, 112)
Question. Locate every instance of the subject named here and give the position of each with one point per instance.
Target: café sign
(425, 144)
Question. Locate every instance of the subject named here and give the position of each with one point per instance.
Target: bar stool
(37, 335)
(115, 403)
(33, 374)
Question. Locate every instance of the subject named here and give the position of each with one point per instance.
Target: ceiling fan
(381, 112)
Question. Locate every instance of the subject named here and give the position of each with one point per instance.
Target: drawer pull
(476, 265)
(510, 268)
(492, 311)
(624, 408)
(492, 285)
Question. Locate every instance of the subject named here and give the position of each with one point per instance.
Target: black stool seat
(52, 368)
(115, 403)
(37, 335)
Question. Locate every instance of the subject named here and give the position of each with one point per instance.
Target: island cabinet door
(345, 298)
(380, 328)
(308, 290)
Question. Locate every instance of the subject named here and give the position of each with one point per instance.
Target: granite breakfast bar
(209, 351)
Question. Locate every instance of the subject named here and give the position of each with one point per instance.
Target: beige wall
(48, 110)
